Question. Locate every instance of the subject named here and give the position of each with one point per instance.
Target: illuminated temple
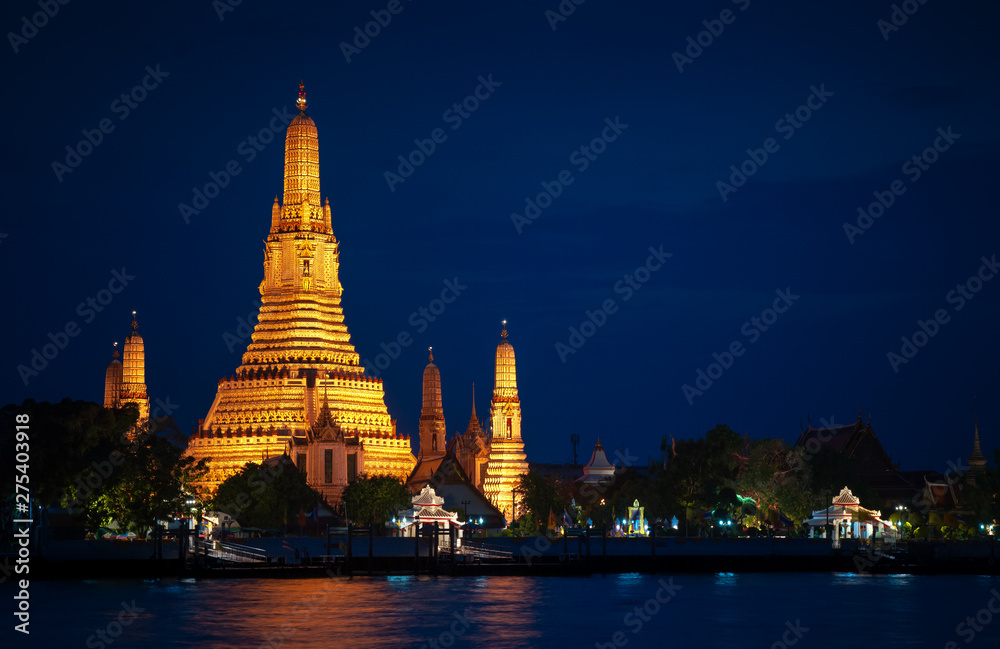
(487, 464)
(507, 460)
(126, 382)
(301, 388)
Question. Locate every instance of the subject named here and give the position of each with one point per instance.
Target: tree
(375, 500)
(697, 469)
(771, 476)
(82, 455)
(266, 495)
(538, 495)
(151, 484)
(64, 440)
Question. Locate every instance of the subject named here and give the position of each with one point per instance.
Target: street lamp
(899, 511)
(465, 504)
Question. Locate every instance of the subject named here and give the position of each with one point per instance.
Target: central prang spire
(302, 163)
(300, 366)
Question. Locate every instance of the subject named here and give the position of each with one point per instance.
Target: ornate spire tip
(301, 101)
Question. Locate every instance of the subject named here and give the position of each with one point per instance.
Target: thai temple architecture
(474, 469)
(427, 510)
(432, 426)
(301, 387)
(977, 461)
(598, 469)
(472, 448)
(126, 382)
(507, 460)
(849, 520)
(433, 447)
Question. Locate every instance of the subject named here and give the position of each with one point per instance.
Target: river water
(720, 610)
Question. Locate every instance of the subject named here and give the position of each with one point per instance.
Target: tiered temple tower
(472, 448)
(432, 426)
(300, 347)
(507, 460)
(977, 461)
(134, 373)
(126, 383)
(113, 381)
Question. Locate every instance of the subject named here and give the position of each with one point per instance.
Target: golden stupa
(507, 460)
(301, 352)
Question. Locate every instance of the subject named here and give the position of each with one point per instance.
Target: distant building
(977, 462)
(858, 443)
(599, 469)
(126, 382)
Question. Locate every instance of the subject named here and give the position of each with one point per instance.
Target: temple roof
(845, 497)
(427, 497)
(856, 441)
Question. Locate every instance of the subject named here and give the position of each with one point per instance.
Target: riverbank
(533, 556)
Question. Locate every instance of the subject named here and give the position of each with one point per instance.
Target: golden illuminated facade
(507, 460)
(301, 350)
(126, 382)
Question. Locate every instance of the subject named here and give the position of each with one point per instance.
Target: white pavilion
(427, 509)
(849, 520)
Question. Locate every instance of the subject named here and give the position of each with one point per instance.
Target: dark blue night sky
(839, 105)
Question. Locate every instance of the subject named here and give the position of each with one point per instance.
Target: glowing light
(258, 412)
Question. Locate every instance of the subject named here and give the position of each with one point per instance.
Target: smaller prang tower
(507, 460)
(126, 382)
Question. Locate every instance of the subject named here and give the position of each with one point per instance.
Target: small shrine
(427, 510)
(849, 520)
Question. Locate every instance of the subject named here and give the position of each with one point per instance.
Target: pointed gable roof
(427, 498)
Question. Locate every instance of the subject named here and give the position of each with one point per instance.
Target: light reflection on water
(711, 610)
